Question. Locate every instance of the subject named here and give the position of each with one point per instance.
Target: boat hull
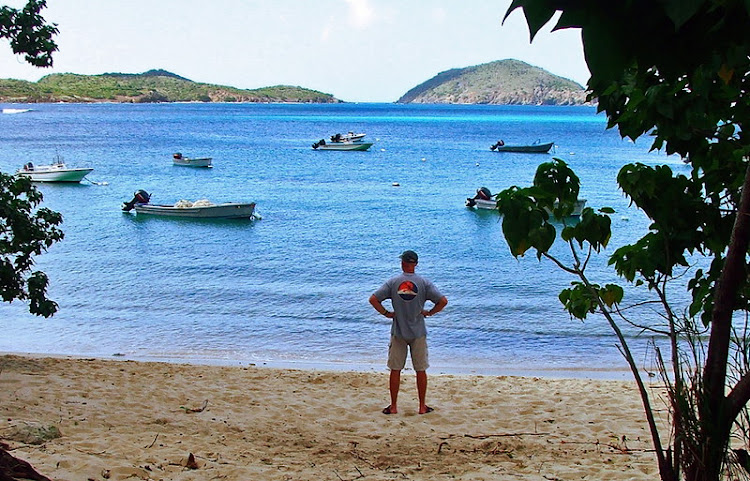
(528, 149)
(59, 175)
(201, 162)
(492, 205)
(231, 210)
(345, 146)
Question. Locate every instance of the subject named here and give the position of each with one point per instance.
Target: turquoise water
(291, 289)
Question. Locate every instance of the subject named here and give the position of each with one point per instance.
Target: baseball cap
(409, 256)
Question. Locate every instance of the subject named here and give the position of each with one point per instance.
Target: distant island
(148, 87)
(503, 82)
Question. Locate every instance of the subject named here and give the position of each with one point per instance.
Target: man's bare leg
(394, 385)
(422, 392)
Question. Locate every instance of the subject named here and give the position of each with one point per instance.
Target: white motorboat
(485, 200)
(55, 172)
(348, 141)
(322, 145)
(179, 159)
(201, 209)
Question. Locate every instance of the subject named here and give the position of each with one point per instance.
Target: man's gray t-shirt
(408, 293)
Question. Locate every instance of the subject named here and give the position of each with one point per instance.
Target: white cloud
(439, 15)
(361, 13)
(325, 33)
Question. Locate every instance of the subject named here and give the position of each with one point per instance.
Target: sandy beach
(92, 419)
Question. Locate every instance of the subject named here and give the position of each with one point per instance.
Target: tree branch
(738, 397)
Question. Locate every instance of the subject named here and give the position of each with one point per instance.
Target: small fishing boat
(535, 148)
(347, 145)
(58, 171)
(200, 209)
(179, 159)
(485, 200)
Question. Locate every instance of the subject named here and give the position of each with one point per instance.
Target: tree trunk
(714, 412)
(14, 469)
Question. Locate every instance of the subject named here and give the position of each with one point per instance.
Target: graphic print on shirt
(407, 290)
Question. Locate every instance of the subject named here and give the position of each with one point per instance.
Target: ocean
(291, 289)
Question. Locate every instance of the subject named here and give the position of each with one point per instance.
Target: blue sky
(357, 50)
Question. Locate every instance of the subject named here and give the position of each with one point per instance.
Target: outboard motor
(483, 193)
(499, 143)
(140, 197)
(177, 156)
(319, 143)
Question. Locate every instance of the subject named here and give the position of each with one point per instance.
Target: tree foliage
(26, 231)
(679, 72)
(28, 32)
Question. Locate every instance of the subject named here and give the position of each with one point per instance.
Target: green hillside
(151, 86)
(507, 82)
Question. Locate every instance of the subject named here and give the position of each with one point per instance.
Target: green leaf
(726, 130)
(578, 300)
(680, 11)
(604, 52)
(542, 238)
(593, 228)
(538, 14)
(611, 294)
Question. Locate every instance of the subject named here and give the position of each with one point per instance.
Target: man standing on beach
(408, 293)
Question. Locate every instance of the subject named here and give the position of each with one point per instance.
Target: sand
(160, 421)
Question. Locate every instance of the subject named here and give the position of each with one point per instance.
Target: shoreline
(620, 373)
(124, 419)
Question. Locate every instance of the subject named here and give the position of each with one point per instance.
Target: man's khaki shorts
(397, 353)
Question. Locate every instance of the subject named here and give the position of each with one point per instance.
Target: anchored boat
(484, 199)
(348, 141)
(535, 148)
(201, 209)
(179, 159)
(58, 171)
